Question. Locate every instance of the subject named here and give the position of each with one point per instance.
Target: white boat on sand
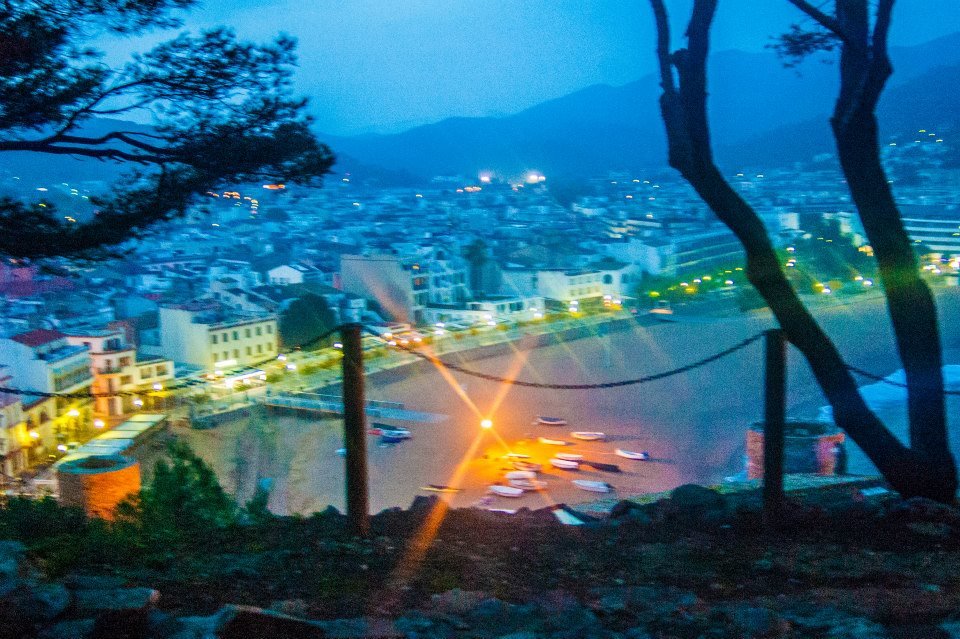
(629, 454)
(593, 486)
(506, 491)
(570, 456)
(528, 484)
(552, 442)
(564, 464)
(543, 420)
(589, 436)
(525, 465)
(521, 474)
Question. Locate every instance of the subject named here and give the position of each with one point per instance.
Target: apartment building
(210, 336)
(116, 368)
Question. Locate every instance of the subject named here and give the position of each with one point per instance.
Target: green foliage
(305, 319)
(223, 109)
(183, 503)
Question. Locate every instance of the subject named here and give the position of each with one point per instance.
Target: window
(246, 333)
(259, 332)
(224, 337)
(161, 370)
(236, 353)
(226, 355)
(124, 361)
(236, 335)
(213, 339)
(144, 373)
(259, 348)
(249, 350)
(269, 329)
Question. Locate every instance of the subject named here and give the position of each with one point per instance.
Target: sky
(388, 65)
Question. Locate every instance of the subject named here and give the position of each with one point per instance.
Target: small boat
(506, 491)
(395, 435)
(525, 465)
(607, 468)
(569, 456)
(593, 486)
(569, 517)
(342, 452)
(564, 464)
(438, 488)
(628, 454)
(552, 442)
(528, 484)
(543, 420)
(374, 431)
(589, 436)
(521, 474)
(517, 456)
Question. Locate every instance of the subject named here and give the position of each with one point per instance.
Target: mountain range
(761, 113)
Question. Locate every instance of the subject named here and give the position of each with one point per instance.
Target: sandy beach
(693, 424)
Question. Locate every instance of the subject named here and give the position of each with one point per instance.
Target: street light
(99, 423)
(486, 423)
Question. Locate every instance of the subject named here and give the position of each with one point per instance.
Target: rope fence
(193, 382)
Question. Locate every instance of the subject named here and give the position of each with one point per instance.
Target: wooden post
(774, 417)
(355, 430)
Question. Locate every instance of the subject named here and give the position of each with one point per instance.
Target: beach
(693, 424)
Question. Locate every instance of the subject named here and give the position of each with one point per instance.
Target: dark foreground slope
(695, 565)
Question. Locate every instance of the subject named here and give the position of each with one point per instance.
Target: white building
(403, 287)
(209, 336)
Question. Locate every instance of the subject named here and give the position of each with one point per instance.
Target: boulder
(119, 612)
(248, 622)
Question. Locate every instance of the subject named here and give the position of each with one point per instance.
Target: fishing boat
(629, 454)
(588, 436)
(521, 474)
(506, 491)
(564, 464)
(528, 484)
(593, 486)
(569, 456)
(525, 465)
(552, 442)
(439, 488)
(543, 420)
(395, 435)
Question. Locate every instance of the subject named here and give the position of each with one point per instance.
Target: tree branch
(826, 21)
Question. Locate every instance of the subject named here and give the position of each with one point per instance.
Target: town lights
(34, 434)
(158, 386)
(99, 423)
(73, 412)
(138, 403)
(486, 423)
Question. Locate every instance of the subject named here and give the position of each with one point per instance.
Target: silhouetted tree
(222, 112)
(926, 468)
(477, 255)
(304, 320)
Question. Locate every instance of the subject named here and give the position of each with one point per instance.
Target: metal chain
(889, 382)
(627, 382)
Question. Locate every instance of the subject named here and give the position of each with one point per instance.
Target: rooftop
(38, 337)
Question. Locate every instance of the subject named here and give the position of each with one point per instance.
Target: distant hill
(603, 128)
(930, 101)
(761, 114)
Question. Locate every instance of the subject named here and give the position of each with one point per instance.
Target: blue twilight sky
(387, 65)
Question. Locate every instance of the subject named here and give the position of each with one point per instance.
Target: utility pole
(774, 419)
(355, 429)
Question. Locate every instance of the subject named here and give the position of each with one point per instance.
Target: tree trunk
(926, 469)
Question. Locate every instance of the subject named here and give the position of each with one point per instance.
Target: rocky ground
(696, 564)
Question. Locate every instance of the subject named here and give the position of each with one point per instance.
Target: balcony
(108, 370)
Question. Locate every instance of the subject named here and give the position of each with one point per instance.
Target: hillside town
(200, 301)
